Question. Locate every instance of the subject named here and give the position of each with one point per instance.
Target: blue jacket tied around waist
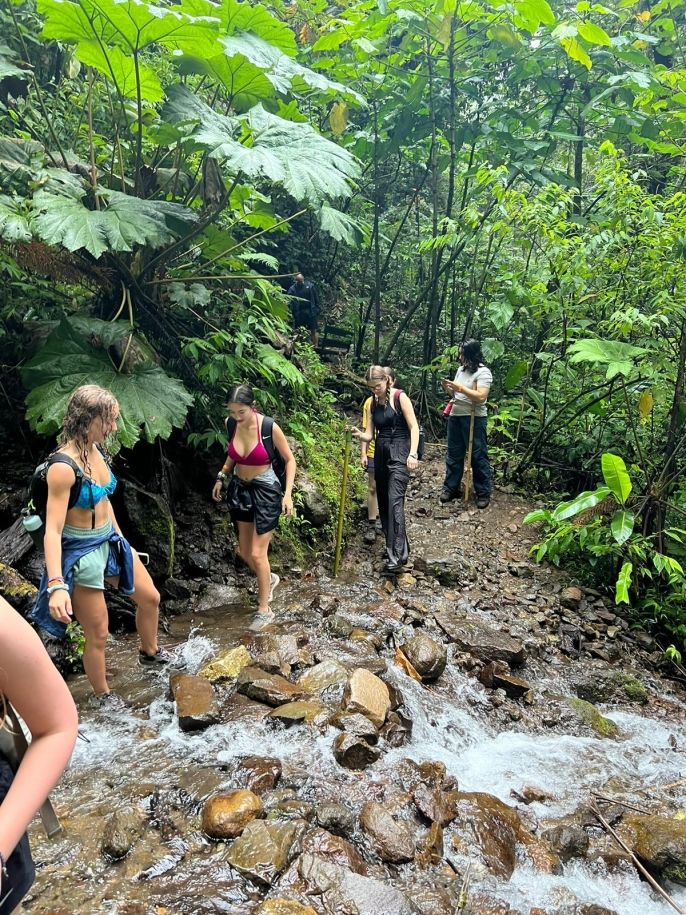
(119, 564)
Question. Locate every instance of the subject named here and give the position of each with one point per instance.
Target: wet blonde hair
(87, 403)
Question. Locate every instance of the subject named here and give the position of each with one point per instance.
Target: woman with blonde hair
(84, 546)
(394, 428)
(31, 683)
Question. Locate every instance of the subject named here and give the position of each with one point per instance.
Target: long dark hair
(243, 394)
(471, 353)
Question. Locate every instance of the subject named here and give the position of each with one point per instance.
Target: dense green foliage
(443, 168)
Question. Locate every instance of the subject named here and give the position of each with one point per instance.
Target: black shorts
(259, 500)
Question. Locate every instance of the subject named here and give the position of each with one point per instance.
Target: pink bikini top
(258, 457)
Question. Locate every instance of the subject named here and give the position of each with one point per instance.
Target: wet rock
(430, 846)
(531, 795)
(346, 892)
(282, 906)
(436, 899)
(354, 752)
(488, 827)
(590, 716)
(327, 673)
(481, 640)
(336, 818)
(225, 816)
(216, 595)
(371, 639)
(392, 840)
(496, 676)
(292, 809)
(227, 666)
(448, 568)
(196, 705)
(149, 524)
(397, 730)
(426, 655)
(308, 711)
(430, 773)
(333, 848)
(178, 589)
(357, 725)
(436, 805)
(339, 626)
(595, 686)
(313, 507)
(284, 646)
(239, 708)
(261, 851)
(122, 830)
(571, 598)
(405, 580)
(568, 841)
(659, 843)
(367, 694)
(259, 773)
(269, 688)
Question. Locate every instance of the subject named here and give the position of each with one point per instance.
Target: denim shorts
(370, 466)
(89, 571)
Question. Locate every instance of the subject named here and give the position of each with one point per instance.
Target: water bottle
(33, 525)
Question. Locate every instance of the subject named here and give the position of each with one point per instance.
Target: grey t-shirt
(462, 405)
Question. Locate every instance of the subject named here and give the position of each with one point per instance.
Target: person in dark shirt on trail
(304, 304)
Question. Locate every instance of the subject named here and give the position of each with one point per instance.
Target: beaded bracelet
(56, 578)
(3, 865)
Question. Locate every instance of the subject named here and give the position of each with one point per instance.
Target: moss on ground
(590, 715)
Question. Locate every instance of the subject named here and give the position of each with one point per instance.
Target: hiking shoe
(160, 657)
(446, 495)
(483, 501)
(108, 702)
(261, 621)
(273, 584)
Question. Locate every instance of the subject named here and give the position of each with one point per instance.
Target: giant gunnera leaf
(88, 351)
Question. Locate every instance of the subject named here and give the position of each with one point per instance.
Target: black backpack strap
(396, 398)
(58, 457)
(267, 440)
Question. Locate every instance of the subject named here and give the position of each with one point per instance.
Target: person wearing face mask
(469, 392)
(256, 496)
(84, 546)
(395, 430)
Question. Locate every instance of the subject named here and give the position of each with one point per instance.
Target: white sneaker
(273, 584)
(261, 621)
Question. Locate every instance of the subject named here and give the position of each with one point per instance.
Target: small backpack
(422, 438)
(38, 484)
(278, 463)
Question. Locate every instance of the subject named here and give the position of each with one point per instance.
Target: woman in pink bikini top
(254, 495)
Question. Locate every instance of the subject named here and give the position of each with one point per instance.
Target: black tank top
(390, 423)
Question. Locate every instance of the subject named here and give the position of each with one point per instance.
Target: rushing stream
(141, 759)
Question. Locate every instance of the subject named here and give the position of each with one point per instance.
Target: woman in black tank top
(396, 431)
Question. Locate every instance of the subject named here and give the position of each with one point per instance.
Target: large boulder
(426, 655)
(367, 694)
(313, 507)
(481, 640)
(149, 526)
(228, 665)
(392, 840)
(659, 843)
(225, 816)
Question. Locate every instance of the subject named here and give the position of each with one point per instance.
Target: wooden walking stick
(468, 476)
(341, 504)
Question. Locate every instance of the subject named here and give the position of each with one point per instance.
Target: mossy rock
(590, 715)
(631, 687)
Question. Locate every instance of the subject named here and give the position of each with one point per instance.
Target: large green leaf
(576, 52)
(623, 584)
(340, 226)
(234, 16)
(120, 68)
(622, 525)
(24, 156)
(617, 356)
(582, 503)
(616, 477)
(293, 155)
(62, 219)
(7, 67)
(129, 24)
(14, 225)
(150, 401)
(275, 364)
(594, 34)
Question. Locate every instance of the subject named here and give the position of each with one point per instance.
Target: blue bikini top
(91, 493)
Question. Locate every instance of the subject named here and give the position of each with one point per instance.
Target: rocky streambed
(437, 743)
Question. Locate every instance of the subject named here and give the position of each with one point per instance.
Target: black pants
(392, 476)
(458, 442)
